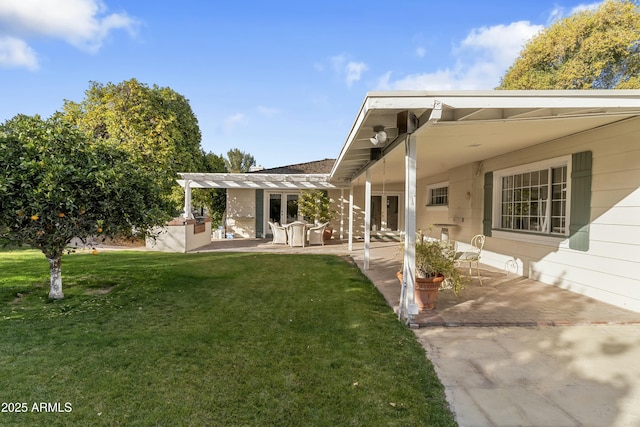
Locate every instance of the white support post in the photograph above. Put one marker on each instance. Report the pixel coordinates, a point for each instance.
(341, 214)
(351, 218)
(407, 303)
(367, 218)
(187, 200)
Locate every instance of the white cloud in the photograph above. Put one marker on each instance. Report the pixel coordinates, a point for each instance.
(351, 71)
(16, 53)
(233, 122)
(268, 111)
(82, 23)
(354, 71)
(421, 52)
(560, 12)
(481, 59)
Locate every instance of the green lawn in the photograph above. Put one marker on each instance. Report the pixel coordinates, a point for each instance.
(205, 340)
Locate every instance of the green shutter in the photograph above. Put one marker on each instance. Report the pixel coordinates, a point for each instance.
(260, 213)
(487, 218)
(580, 201)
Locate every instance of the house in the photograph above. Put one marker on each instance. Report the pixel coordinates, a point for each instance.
(552, 178)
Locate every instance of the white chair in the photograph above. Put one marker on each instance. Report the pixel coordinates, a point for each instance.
(316, 234)
(473, 254)
(296, 233)
(279, 233)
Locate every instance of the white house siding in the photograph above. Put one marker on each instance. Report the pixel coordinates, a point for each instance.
(610, 269)
(241, 212)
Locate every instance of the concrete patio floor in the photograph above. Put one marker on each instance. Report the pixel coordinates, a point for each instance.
(514, 352)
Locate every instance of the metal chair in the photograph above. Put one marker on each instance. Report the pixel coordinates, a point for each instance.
(473, 254)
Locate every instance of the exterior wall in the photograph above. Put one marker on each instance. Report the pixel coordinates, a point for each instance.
(610, 269)
(241, 212)
(180, 235)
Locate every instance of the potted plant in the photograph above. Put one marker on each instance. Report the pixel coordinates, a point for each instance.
(435, 268)
(315, 205)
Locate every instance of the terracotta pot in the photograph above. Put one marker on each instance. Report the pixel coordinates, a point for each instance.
(425, 290)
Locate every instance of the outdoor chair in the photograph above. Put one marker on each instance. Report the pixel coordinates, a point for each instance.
(473, 254)
(279, 233)
(316, 234)
(296, 233)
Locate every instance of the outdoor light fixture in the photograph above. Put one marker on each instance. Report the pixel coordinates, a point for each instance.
(380, 137)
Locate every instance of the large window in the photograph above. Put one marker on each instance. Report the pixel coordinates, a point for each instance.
(534, 199)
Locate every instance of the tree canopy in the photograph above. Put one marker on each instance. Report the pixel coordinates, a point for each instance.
(154, 125)
(55, 185)
(592, 49)
(238, 161)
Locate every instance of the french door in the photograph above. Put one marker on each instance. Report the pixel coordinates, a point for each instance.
(282, 207)
(386, 212)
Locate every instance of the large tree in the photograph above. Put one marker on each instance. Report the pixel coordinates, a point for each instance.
(155, 125)
(592, 49)
(56, 184)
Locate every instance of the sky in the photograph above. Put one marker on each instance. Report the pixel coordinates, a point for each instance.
(280, 80)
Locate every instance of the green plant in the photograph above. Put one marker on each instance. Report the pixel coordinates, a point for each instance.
(435, 257)
(315, 205)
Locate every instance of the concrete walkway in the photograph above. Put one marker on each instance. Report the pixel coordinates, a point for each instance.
(516, 352)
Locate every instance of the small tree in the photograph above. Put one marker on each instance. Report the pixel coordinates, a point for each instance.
(315, 205)
(55, 185)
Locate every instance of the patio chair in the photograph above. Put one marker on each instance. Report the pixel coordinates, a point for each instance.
(296, 233)
(279, 233)
(316, 234)
(473, 254)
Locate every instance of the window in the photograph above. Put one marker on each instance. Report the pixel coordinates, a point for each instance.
(533, 198)
(438, 195)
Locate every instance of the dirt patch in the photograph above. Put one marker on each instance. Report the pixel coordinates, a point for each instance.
(99, 291)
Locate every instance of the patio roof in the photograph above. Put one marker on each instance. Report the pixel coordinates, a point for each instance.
(254, 181)
(460, 127)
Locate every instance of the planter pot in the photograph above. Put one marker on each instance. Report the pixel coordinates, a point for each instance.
(425, 290)
(328, 232)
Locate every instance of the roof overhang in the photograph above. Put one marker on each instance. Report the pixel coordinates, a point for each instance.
(257, 181)
(456, 128)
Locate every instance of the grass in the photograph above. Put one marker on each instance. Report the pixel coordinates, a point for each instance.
(208, 339)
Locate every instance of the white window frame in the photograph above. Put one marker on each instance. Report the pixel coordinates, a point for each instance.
(530, 236)
(438, 185)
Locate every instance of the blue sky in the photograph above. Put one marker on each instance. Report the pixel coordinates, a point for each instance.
(281, 80)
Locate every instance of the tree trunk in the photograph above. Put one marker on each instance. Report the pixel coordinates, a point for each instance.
(55, 270)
